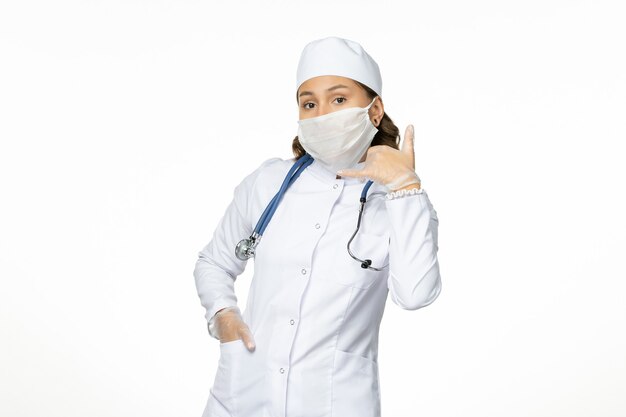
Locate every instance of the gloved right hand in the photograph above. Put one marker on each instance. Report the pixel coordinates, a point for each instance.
(228, 325)
(393, 168)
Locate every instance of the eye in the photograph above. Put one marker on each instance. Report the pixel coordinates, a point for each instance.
(343, 99)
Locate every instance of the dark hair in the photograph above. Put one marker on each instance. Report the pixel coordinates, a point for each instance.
(388, 133)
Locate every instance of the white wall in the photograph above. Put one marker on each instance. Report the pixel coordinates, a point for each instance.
(125, 126)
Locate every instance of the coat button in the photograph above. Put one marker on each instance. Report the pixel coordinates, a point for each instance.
(317, 225)
(335, 186)
(303, 271)
(292, 321)
(282, 370)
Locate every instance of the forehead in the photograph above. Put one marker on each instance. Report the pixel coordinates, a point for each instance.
(320, 83)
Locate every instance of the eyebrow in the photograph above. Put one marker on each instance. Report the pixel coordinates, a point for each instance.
(334, 87)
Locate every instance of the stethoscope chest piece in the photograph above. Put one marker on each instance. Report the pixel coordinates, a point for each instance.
(245, 249)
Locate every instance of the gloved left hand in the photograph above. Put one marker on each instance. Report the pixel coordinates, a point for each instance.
(228, 325)
(388, 166)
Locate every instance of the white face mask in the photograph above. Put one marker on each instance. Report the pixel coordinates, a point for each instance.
(339, 139)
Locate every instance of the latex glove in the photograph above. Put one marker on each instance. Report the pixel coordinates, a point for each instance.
(390, 167)
(227, 325)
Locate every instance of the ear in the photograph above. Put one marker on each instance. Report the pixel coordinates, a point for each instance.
(377, 111)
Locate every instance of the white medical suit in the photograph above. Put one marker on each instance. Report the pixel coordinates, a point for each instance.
(313, 311)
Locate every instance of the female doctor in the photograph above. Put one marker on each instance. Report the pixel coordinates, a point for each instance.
(332, 232)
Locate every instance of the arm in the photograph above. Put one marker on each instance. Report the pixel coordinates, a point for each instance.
(217, 267)
(414, 280)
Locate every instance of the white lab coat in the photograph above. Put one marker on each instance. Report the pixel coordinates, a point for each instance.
(313, 311)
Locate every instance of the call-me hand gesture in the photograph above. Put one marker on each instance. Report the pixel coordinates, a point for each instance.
(388, 166)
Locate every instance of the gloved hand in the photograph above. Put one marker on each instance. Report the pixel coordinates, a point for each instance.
(227, 325)
(390, 167)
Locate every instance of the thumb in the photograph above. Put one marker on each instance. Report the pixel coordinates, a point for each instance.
(408, 147)
(247, 338)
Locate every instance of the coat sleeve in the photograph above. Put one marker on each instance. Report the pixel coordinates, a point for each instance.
(217, 267)
(414, 280)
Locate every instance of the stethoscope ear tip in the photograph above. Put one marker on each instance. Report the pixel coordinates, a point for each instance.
(366, 264)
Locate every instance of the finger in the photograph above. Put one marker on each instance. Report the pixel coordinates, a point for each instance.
(352, 173)
(246, 337)
(408, 144)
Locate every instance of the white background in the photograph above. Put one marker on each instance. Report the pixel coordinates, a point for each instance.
(126, 125)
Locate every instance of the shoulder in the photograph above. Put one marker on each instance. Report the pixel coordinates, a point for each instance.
(273, 170)
(276, 164)
(261, 183)
(267, 171)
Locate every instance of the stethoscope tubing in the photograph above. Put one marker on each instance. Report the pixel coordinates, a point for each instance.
(247, 246)
(298, 167)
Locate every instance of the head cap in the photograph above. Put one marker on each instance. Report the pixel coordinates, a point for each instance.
(337, 56)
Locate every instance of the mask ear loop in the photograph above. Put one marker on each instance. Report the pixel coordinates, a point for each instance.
(368, 108)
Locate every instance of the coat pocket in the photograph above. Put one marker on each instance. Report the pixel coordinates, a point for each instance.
(224, 376)
(348, 271)
(355, 387)
(239, 384)
(214, 408)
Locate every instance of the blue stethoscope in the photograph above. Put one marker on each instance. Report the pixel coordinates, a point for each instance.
(245, 249)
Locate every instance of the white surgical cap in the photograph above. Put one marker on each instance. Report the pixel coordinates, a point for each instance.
(338, 56)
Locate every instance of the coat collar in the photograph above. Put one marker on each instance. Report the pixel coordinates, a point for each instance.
(320, 172)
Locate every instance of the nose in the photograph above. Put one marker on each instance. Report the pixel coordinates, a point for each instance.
(323, 109)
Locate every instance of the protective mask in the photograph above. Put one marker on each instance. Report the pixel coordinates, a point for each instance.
(339, 139)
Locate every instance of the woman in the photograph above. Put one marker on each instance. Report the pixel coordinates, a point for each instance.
(307, 343)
